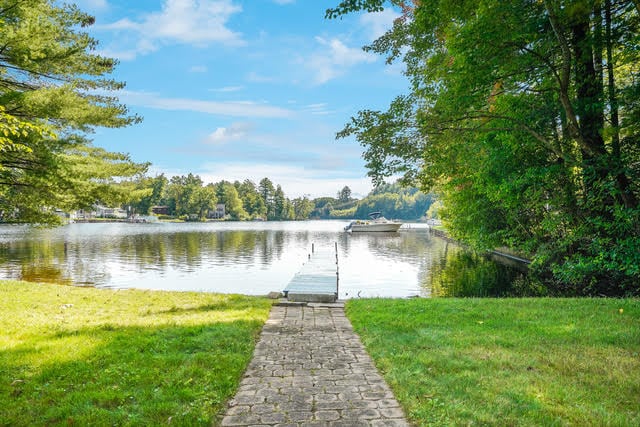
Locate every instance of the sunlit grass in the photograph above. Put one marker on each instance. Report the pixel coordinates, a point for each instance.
(83, 356)
(507, 361)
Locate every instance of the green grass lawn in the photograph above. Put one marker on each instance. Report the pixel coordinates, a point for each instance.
(82, 356)
(515, 362)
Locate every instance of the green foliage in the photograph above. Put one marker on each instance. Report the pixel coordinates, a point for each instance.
(180, 195)
(267, 191)
(394, 200)
(253, 202)
(279, 204)
(344, 195)
(145, 192)
(348, 6)
(302, 208)
(526, 130)
(12, 129)
(52, 90)
(188, 198)
(348, 213)
(233, 204)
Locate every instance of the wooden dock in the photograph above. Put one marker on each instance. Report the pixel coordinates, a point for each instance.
(318, 279)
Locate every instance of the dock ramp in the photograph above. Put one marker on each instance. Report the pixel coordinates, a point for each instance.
(318, 279)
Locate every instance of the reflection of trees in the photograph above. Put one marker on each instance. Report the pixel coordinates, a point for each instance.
(414, 247)
(189, 249)
(76, 258)
(36, 261)
(444, 268)
(89, 257)
(463, 273)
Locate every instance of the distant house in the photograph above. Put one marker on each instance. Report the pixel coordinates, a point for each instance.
(160, 210)
(82, 214)
(62, 214)
(218, 213)
(104, 212)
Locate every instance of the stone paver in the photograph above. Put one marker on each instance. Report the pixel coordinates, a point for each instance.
(310, 369)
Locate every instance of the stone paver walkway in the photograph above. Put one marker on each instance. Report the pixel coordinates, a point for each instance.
(310, 369)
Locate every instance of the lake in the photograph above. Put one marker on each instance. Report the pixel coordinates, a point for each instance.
(252, 258)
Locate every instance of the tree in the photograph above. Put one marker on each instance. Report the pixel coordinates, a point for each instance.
(526, 129)
(344, 195)
(279, 204)
(180, 193)
(50, 95)
(233, 204)
(252, 201)
(202, 200)
(143, 193)
(267, 192)
(302, 208)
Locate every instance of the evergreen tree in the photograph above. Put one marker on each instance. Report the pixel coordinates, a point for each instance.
(50, 85)
(267, 192)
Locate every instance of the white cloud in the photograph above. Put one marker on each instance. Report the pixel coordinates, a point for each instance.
(220, 108)
(317, 109)
(228, 89)
(92, 5)
(254, 77)
(335, 58)
(379, 23)
(197, 22)
(235, 131)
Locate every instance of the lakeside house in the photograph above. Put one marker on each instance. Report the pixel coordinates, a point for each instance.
(160, 210)
(98, 211)
(105, 212)
(219, 212)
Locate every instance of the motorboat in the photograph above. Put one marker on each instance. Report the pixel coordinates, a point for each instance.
(376, 222)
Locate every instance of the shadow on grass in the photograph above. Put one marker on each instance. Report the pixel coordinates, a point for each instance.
(232, 302)
(111, 375)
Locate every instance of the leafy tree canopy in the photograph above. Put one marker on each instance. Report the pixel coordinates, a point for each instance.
(523, 116)
(53, 90)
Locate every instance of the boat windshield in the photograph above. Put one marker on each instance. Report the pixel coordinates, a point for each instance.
(375, 215)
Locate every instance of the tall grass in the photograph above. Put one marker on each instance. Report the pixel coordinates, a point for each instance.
(82, 356)
(515, 362)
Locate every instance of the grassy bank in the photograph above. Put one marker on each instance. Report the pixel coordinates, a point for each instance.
(507, 361)
(81, 356)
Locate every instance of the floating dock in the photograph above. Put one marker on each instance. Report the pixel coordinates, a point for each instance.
(318, 279)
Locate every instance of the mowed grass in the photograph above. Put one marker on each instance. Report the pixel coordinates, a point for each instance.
(82, 356)
(516, 362)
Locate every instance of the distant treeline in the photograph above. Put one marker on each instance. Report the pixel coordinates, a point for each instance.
(189, 198)
(393, 200)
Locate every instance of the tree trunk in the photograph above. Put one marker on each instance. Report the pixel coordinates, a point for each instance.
(590, 110)
(622, 181)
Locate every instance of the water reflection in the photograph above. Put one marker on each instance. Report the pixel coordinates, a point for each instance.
(249, 258)
(462, 273)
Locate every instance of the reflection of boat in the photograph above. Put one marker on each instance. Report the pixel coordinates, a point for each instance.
(376, 223)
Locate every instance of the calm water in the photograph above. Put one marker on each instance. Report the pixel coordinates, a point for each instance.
(251, 258)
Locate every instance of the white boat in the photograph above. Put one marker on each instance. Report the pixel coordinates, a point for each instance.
(376, 223)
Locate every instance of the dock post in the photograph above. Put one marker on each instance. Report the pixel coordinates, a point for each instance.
(337, 272)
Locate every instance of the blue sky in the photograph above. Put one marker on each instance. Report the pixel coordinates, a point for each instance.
(237, 89)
